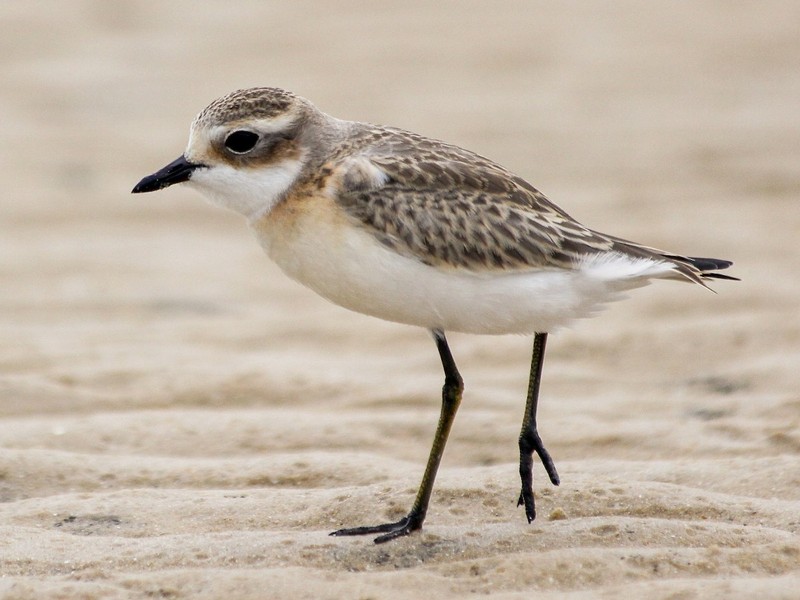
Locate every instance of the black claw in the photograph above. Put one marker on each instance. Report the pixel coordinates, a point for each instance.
(390, 531)
(547, 460)
(400, 532)
(526, 498)
(530, 444)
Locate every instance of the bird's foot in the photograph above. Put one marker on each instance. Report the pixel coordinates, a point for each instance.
(390, 531)
(531, 443)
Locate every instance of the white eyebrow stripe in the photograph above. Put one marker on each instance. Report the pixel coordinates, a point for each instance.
(265, 126)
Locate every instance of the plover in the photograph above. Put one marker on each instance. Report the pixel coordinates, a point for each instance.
(413, 230)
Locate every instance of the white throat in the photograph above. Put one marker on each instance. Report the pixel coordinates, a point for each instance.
(250, 192)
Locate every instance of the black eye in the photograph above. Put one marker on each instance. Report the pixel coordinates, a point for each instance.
(241, 141)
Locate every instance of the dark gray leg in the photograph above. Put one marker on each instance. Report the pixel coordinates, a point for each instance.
(529, 440)
(451, 398)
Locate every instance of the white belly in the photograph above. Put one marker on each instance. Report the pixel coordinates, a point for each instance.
(346, 265)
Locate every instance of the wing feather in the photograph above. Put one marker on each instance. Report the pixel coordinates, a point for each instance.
(448, 207)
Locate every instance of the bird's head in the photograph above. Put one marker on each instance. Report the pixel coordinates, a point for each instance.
(247, 149)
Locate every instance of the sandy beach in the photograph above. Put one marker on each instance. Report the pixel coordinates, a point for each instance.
(180, 420)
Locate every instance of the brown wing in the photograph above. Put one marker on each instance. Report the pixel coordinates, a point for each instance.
(446, 206)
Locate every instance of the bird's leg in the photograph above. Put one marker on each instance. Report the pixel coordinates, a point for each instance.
(529, 440)
(451, 398)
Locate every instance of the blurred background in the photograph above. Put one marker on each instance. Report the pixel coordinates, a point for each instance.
(676, 126)
(123, 317)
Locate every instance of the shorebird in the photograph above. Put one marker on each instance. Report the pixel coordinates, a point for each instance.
(413, 230)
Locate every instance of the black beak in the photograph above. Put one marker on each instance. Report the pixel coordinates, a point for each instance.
(177, 171)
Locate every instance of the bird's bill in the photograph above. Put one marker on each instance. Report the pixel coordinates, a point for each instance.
(178, 171)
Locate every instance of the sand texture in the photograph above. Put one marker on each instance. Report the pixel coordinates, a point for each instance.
(180, 420)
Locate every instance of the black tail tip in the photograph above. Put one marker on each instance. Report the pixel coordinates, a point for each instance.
(708, 266)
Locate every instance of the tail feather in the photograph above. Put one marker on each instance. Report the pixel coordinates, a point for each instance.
(705, 264)
(720, 276)
(704, 268)
(689, 268)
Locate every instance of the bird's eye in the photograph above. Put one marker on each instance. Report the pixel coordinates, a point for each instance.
(241, 141)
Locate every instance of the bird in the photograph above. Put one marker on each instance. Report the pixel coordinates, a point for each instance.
(417, 231)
